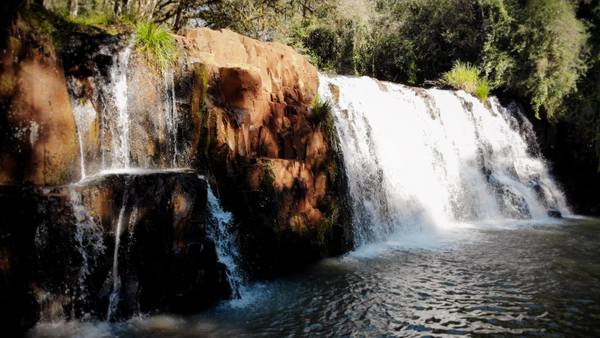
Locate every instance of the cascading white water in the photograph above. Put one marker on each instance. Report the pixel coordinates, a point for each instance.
(85, 114)
(116, 278)
(418, 158)
(88, 235)
(120, 139)
(171, 116)
(226, 242)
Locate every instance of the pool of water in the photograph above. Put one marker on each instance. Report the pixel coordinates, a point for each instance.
(495, 279)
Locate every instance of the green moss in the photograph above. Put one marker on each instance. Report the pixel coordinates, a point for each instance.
(202, 80)
(63, 176)
(200, 105)
(327, 224)
(156, 44)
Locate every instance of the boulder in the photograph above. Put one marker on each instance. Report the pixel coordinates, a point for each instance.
(276, 165)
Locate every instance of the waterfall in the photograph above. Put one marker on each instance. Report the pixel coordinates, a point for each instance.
(118, 76)
(430, 158)
(116, 278)
(85, 114)
(88, 236)
(171, 116)
(226, 242)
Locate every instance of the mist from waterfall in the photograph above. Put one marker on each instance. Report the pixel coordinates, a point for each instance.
(429, 158)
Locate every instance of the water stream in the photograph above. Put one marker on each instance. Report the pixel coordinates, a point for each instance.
(116, 278)
(118, 76)
(419, 159)
(226, 243)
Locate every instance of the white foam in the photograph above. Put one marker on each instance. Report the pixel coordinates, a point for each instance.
(419, 161)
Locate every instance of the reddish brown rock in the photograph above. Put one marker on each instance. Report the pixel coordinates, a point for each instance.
(37, 129)
(275, 165)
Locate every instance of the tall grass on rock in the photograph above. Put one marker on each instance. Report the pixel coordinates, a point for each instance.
(466, 77)
(320, 109)
(156, 44)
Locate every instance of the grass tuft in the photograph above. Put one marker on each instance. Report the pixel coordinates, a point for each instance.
(482, 90)
(156, 43)
(466, 77)
(320, 109)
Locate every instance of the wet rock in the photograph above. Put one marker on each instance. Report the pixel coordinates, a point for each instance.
(166, 262)
(57, 264)
(554, 213)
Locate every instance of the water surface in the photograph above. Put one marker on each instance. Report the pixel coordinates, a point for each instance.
(494, 279)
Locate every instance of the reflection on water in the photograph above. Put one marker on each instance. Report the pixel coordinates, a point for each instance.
(536, 280)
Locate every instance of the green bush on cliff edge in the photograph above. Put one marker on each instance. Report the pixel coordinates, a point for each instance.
(156, 43)
(466, 77)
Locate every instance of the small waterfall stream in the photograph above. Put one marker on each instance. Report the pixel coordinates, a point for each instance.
(118, 76)
(171, 116)
(429, 158)
(85, 114)
(119, 153)
(226, 242)
(90, 243)
(116, 278)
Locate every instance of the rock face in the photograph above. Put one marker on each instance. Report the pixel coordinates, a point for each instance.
(234, 109)
(160, 129)
(37, 129)
(275, 162)
(58, 247)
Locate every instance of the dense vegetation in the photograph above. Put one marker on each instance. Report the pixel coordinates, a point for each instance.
(543, 52)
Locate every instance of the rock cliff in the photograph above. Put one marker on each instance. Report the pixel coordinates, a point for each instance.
(80, 117)
(274, 160)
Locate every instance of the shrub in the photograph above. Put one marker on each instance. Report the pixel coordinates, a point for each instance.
(462, 76)
(156, 44)
(466, 77)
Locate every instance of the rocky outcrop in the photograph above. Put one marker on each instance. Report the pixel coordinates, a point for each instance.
(58, 248)
(234, 109)
(37, 129)
(274, 161)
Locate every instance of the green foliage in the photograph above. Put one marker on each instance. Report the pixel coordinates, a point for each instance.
(482, 91)
(466, 77)
(156, 43)
(553, 51)
(320, 109)
(462, 76)
(93, 19)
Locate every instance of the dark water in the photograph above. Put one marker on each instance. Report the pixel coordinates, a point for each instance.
(518, 280)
